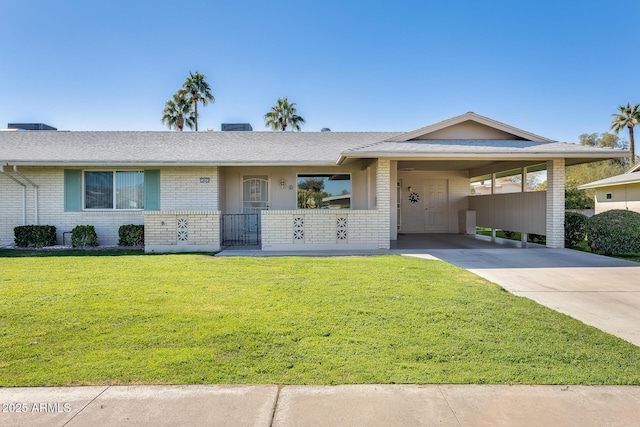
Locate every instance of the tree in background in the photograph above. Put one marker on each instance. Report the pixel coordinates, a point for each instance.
(199, 91)
(588, 172)
(627, 117)
(577, 175)
(283, 114)
(178, 111)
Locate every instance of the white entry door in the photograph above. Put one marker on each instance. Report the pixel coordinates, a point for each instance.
(436, 203)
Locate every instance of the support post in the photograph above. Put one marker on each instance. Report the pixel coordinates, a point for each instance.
(555, 203)
(383, 202)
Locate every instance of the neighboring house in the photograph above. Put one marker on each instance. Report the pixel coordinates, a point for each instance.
(198, 191)
(500, 187)
(617, 192)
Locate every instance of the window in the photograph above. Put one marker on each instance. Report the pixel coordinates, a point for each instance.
(324, 191)
(609, 196)
(114, 190)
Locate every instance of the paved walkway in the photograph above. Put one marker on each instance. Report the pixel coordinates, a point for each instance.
(347, 405)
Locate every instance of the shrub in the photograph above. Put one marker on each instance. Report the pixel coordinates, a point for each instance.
(575, 228)
(614, 232)
(84, 235)
(131, 235)
(537, 238)
(509, 234)
(26, 236)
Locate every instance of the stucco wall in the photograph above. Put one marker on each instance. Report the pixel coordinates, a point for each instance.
(279, 198)
(414, 215)
(469, 130)
(622, 197)
(523, 212)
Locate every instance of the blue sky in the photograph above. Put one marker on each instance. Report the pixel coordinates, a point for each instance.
(555, 68)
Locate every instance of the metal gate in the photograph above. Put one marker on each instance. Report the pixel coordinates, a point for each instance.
(240, 229)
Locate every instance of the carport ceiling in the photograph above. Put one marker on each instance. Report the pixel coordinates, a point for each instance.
(481, 169)
(477, 169)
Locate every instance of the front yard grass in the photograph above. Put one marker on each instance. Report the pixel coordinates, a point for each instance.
(195, 319)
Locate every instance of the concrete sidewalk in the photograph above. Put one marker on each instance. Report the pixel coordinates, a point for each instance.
(347, 405)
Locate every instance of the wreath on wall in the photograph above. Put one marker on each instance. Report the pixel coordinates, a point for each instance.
(414, 197)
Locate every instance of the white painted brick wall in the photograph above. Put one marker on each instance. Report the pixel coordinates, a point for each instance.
(383, 202)
(180, 189)
(555, 203)
(320, 229)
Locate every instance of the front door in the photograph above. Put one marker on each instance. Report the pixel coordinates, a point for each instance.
(435, 206)
(255, 195)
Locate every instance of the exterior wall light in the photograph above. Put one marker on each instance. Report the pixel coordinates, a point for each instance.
(282, 183)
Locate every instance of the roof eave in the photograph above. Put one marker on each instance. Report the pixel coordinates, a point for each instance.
(396, 155)
(108, 163)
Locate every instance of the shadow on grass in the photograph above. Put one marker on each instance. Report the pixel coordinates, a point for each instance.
(20, 253)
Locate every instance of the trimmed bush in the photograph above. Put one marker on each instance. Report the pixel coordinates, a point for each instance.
(614, 232)
(83, 236)
(575, 228)
(131, 235)
(537, 238)
(34, 236)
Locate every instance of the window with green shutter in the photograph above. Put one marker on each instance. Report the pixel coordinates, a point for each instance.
(111, 190)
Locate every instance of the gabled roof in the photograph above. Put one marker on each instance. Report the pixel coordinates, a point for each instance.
(632, 176)
(516, 133)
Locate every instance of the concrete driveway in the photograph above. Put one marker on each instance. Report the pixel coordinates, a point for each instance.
(597, 290)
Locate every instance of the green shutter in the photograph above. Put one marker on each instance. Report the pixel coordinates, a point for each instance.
(152, 190)
(72, 190)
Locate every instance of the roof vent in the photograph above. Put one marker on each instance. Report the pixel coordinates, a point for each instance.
(325, 130)
(30, 126)
(235, 127)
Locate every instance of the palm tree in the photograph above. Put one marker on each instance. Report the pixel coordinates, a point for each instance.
(282, 115)
(197, 87)
(178, 111)
(628, 117)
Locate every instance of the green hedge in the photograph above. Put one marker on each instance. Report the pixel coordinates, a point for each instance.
(84, 235)
(131, 235)
(38, 236)
(614, 232)
(575, 228)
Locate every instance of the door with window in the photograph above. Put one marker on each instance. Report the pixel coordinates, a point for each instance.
(436, 206)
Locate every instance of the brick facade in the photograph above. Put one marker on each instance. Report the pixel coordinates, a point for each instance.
(555, 203)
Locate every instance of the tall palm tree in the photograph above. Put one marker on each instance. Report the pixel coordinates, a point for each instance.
(178, 111)
(199, 90)
(283, 114)
(628, 117)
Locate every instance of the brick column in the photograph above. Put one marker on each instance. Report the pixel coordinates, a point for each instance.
(383, 202)
(555, 203)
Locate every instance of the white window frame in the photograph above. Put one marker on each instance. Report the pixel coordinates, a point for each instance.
(114, 196)
(323, 174)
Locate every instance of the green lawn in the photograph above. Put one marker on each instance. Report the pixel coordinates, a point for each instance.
(177, 319)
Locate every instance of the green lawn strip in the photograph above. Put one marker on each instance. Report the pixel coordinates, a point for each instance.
(177, 319)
